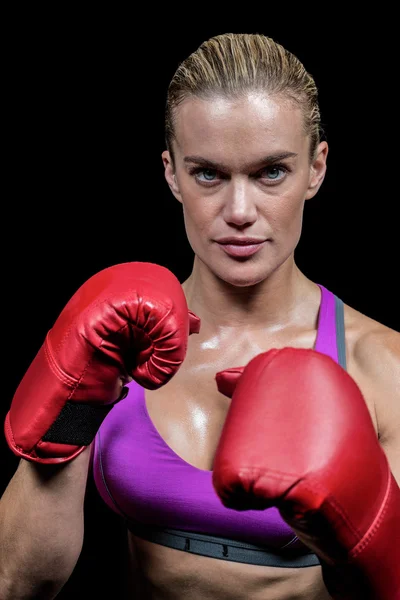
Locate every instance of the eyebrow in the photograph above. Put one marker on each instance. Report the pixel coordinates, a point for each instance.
(271, 158)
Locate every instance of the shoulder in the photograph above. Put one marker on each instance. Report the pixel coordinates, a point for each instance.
(373, 351)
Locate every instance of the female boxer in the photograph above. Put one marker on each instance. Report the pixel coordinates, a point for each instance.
(120, 372)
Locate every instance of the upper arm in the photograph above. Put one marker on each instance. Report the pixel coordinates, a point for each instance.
(378, 354)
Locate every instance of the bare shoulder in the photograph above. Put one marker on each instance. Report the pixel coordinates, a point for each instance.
(373, 353)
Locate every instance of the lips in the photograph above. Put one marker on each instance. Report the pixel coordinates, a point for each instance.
(241, 247)
(238, 241)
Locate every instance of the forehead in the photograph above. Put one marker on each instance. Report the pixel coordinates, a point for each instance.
(228, 129)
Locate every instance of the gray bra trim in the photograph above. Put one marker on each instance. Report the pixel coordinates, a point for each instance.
(340, 337)
(222, 548)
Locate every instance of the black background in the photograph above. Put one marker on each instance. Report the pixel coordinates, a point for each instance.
(83, 184)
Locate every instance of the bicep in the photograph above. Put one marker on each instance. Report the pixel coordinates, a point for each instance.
(387, 394)
(378, 358)
(390, 442)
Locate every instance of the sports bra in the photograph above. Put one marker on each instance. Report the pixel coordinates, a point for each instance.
(168, 501)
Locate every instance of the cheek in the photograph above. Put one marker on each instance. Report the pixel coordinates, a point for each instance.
(198, 214)
(286, 210)
(196, 226)
(195, 209)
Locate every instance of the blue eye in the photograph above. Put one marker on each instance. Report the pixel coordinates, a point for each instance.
(274, 172)
(208, 174)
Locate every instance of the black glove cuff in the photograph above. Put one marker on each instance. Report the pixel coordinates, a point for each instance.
(77, 424)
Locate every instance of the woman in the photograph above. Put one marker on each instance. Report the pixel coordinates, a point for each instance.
(243, 155)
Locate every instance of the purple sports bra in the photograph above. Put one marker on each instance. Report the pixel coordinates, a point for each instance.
(153, 489)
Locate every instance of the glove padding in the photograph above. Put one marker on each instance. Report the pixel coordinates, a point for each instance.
(298, 436)
(128, 321)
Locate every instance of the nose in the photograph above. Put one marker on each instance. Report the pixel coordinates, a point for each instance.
(240, 208)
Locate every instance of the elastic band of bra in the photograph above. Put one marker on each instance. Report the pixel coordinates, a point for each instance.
(221, 548)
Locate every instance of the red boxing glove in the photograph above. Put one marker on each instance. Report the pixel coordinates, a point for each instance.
(128, 321)
(298, 436)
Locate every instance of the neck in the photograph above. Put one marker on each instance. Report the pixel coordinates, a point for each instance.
(274, 303)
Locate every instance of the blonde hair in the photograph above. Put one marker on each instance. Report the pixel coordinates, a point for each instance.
(233, 64)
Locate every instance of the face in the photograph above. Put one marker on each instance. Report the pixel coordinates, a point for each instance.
(242, 172)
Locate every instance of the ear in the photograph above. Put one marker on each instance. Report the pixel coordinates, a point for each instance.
(170, 174)
(317, 170)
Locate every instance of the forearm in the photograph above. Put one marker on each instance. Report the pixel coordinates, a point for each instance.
(41, 528)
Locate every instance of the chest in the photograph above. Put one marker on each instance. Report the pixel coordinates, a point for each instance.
(189, 412)
(189, 416)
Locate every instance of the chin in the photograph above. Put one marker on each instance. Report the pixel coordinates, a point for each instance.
(239, 273)
(243, 275)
